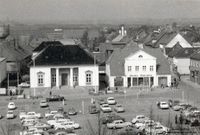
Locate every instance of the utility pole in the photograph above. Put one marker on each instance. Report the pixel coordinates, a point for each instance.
(99, 123)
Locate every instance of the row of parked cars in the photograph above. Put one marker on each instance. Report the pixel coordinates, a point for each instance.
(149, 126)
(53, 122)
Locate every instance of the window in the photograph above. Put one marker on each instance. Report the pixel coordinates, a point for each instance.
(129, 68)
(136, 68)
(144, 68)
(151, 68)
(40, 78)
(75, 77)
(88, 77)
(53, 78)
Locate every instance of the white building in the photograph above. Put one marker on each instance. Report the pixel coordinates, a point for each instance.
(58, 65)
(137, 66)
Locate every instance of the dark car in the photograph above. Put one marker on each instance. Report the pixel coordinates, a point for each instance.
(93, 109)
(110, 118)
(55, 98)
(102, 101)
(130, 131)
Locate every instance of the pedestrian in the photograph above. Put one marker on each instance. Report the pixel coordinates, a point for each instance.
(176, 119)
(50, 93)
(181, 119)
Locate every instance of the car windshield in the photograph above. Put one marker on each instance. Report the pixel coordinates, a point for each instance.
(10, 112)
(119, 105)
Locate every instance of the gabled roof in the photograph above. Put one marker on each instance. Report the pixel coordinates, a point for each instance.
(117, 59)
(171, 52)
(64, 55)
(164, 38)
(46, 44)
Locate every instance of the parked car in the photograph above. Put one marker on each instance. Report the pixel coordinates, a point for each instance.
(55, 98)
(160, 129)
(110, 118)
(173, 102)
(102, 101)
(119, 108)
(93, 109)
(139, 118)
(11, 106)
(130, 130)
(105, 108)
(10, 115)
(163, 105)
(24, 85)
(43, 103)
(111, 101)
(43, 126)
(30, 115)
(118, 124)
(72, 111)
(50, 114)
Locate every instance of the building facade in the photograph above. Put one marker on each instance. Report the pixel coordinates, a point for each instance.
(58, 65)
(135, 66)
(195, 67)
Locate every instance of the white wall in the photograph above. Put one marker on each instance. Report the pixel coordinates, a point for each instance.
(82, 75)
(182, 65)
(147, 60)
(180, 39)
(2, 70)
(34, 78)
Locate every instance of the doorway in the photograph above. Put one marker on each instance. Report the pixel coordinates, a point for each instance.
(64, 79)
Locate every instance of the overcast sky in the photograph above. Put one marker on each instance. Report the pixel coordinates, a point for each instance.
(68, 10)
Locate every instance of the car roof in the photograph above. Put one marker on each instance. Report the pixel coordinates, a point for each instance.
(110, 98)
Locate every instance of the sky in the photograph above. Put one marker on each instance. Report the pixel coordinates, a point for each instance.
(95, 10)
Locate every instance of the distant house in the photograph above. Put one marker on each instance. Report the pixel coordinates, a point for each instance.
(56, 65)
(136, 65)
(181, 59)
(195, 67)
(169, 39)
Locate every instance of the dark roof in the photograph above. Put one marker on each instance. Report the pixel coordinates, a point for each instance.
(185, 52)
(195, 55)
(173, 51)
(164, 38)
(64, 55)
(46, 44)
(118, 56)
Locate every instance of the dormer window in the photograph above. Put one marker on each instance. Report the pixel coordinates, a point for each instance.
(140, 56)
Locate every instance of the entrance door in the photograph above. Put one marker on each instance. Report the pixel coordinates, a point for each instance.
(64, 79)
(129, 82)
